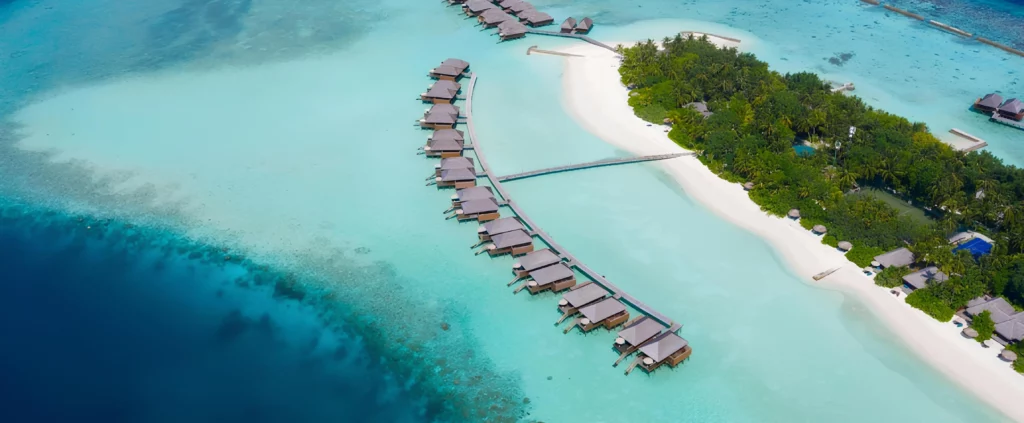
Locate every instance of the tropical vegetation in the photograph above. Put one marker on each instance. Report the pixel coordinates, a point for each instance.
(759, 116)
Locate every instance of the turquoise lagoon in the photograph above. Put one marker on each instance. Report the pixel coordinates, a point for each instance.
(286, 132)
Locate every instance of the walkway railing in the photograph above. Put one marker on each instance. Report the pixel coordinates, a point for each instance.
(568, 35)
(598, 163)
(617, 292)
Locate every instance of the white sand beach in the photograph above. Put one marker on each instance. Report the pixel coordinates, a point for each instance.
(595, 97)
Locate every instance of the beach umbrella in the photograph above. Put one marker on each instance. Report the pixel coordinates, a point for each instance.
(620, 341)
(845, 245)
(563, 302)
(667, 121)
(748, 186)
(820, 229)
(875, 264)
(648, 361)
(970, 333)
(794, 214)
(1008, 355)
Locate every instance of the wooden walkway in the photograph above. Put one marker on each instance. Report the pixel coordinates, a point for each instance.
(617, 292)
(588, 165)
(1008, 122)
(576, 36)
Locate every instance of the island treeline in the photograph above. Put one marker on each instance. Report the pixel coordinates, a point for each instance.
(759, 115)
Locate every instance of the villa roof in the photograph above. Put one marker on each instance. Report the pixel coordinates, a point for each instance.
(444, 145)
(443, 89)
(794, 213)
(448, 135)
(1012, 106)
(474, 193)
(701, 107)
(511, 27)
(484, 205)
(923, 277)
(569, 23)
(1000, 310)
(511, 239)
(494, 16)
(602, 309)
(820, 229)
(991, 100)
(505, 4)
(641, 330)
(458, 64)
(845, 245)
(500, 226)
(520, 7)
(585, 24)
(663, 346)
(584, 294)
(478, 6)
(537, 259)
(456, 163)
(446, 71)
(448, 108)
(536, 17)
(460, 174)
(551, 274)
(1012, 330)
(898, 257)
(440, 118)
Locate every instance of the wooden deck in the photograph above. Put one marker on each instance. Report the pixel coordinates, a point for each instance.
(617, 292)
(588, 165)
(1008, 122)
(576, 36)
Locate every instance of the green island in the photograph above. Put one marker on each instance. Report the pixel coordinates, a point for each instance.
(789, 137)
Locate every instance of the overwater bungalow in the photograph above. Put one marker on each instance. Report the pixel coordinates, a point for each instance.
(989, 103)
(536, 18)
(456, 178)
(520, 7)
(1012, 109)
(555, 278)
(447, 135)
(583, 26)
(923, 277)
(568, 25)
(446, 73)
(454, 163)
(636, 334)
(439, 120)
(476, 7)
(507, 4)
(441, 92)
(510, 30)
(578, 297)
(470, 194)
(443, 148)
(895, 258)
(667, 348)
(492, 18)
(500, 226)
(515, 243)
(483, 210)
(533, 261)
(461, 65)
(608, 312)
(448, 108)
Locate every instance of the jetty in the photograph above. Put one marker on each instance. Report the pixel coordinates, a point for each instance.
(947, 28)
(572, 261)
(588, 165)
(534, 49)
(573, 35)
(1008, 122)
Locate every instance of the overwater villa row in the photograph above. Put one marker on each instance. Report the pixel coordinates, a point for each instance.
(1009, 112)
(513, 17)
(590, 304)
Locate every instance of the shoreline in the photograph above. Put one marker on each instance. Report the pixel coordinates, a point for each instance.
(594, 96)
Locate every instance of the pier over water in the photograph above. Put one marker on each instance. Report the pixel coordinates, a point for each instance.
(617, 292)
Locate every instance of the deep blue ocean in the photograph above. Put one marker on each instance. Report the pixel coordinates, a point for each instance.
(105, 322)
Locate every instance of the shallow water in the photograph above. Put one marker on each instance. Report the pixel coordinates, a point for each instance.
(285, 132)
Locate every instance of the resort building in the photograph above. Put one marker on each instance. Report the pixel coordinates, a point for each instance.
(555, 278)
(584, 26)
(448, 108)
(667, 348)
(989, 103)
(483, 210)
(447, 135)
(456, 178)
(1012, 109)
(507, 4)
(535, 260)
(536, 18)
(446, 73)
(510, 30)
(578, 297)
(515, 243)
(443, 148)
(608, 312)
(452, 163)
(1009, 322)
(636, 334)
(439, 120)
(491, 18)
(701, 107)
(476, 7)
(500, 226)
(520, 7)
(923, 277)
(461, 65)
(568, 25)
(441, 92)
(895, 258)
(470, 194)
